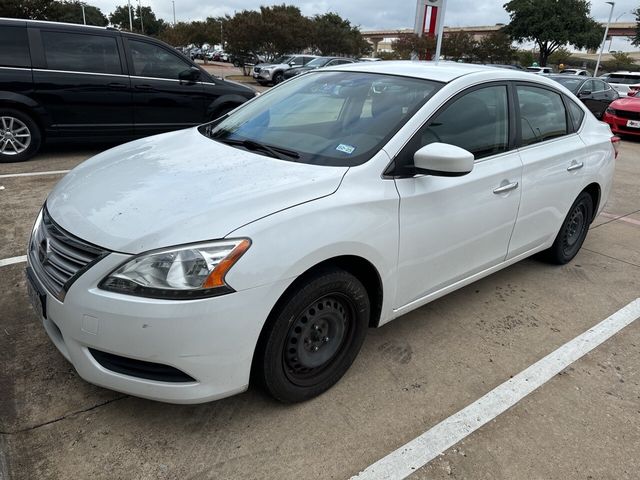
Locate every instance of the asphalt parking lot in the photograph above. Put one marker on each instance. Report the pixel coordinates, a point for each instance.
(410, 375)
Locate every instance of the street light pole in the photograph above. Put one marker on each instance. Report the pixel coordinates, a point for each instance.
(84, 19)
(604, 40)
(141, 22)
(174, 12)
(130, 19)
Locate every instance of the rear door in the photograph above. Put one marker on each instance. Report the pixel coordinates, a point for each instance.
(80, 78)
(161, 101)
(553, 155)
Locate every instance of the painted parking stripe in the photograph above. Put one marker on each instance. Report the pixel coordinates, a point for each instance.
(12, 260)
(622, 218)
(421, 450)
(31, 174)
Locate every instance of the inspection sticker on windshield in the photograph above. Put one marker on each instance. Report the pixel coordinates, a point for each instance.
(345, 148)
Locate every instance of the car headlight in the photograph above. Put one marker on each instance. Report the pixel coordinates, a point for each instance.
(611, 111)
(186, 272)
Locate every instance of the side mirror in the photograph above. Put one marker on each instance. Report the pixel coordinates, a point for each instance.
(291, 64)
(443, 160)
(190, 75)
(584, 93)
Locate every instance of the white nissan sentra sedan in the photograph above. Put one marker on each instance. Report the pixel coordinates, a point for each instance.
(263, 245)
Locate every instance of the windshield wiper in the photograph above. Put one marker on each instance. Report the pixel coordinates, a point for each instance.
(275, 152)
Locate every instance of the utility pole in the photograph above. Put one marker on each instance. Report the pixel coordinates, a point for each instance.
(604, 40)
(130, 19)
(141, 22)
(174, 12)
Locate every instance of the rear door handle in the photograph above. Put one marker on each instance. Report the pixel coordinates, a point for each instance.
(144, 87)
(575, 166)
(117, 85)
(505, 188)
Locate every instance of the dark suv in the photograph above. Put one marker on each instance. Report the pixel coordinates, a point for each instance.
(61, 81)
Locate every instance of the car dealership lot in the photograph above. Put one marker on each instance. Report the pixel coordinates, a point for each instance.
(410, 375)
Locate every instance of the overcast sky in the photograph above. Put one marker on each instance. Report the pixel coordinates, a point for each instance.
(368, 14)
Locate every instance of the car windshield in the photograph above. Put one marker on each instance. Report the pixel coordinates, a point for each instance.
(624, 79)
(570, 83)
(318, 62)
(325, 118)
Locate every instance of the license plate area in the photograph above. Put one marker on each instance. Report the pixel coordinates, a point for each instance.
(633, 123)
(36, 293)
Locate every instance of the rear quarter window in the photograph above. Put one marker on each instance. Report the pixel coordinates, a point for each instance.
(576, 113)
(14, 47)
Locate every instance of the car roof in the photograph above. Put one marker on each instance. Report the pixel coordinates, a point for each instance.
(45, 23)
(442, 71)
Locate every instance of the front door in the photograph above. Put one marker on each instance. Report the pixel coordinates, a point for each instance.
(454, 227)
(162, 101)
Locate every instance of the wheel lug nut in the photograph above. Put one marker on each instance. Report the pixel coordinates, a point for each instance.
(325, 339)
(316, 348)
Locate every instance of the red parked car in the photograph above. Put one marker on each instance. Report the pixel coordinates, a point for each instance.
(623, 115)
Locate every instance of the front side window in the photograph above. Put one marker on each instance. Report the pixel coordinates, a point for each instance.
(326, 118)
(81, 52)
(15, 47)
(542, 114)
(153, 61)
(477, 122)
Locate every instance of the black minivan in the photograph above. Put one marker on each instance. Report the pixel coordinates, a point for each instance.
(63, 82)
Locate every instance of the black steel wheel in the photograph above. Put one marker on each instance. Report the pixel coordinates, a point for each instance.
(313, 336)
(278, 78)
(573, 231)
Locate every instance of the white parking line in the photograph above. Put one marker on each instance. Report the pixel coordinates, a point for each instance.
(10, 261)
(31, 174)
(622, 218)
(421, 450)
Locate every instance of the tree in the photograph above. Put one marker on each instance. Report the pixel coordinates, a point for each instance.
(620, 61)
(244, 33)
(495, 48)
(55, 11)
(552, 24)
(285, 30)
(561, 55)
(635, 40)
(407, 45)
(333, 35)
(458, 45)
(525, 57)
(152, 26)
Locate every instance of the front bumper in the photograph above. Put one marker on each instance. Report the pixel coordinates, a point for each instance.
(620, 125)
(264, 75)
(211, 340)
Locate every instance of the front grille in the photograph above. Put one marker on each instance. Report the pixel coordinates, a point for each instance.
(627, 114)
(57, 257)
(140, 368)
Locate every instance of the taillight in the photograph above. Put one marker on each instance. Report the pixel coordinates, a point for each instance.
(615, 141)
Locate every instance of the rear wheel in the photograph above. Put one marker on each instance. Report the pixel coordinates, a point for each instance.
(315, 336)
(19, 136)
(573, 231)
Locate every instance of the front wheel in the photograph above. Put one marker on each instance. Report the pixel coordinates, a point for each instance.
(278, 78)
(314, 337)
(573, 231)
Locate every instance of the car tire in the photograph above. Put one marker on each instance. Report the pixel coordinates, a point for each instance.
(278, 77)
(18, 128)
(573, 231)
(313, 336)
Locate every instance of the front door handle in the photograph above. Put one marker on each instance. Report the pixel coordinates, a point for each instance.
(575, 166)
(505, 188)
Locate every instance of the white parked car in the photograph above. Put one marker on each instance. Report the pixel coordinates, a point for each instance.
(263, 245)
(622, 82)
(540, 70)
(575, 71)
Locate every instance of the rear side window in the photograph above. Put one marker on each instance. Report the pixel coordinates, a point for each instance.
(577, 114)
(15, 47)
(153, 61)
(81, 53)
(542, 114)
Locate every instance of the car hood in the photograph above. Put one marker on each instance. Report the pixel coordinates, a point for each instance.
(631, 104)
(273, 65)
(177, 188)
